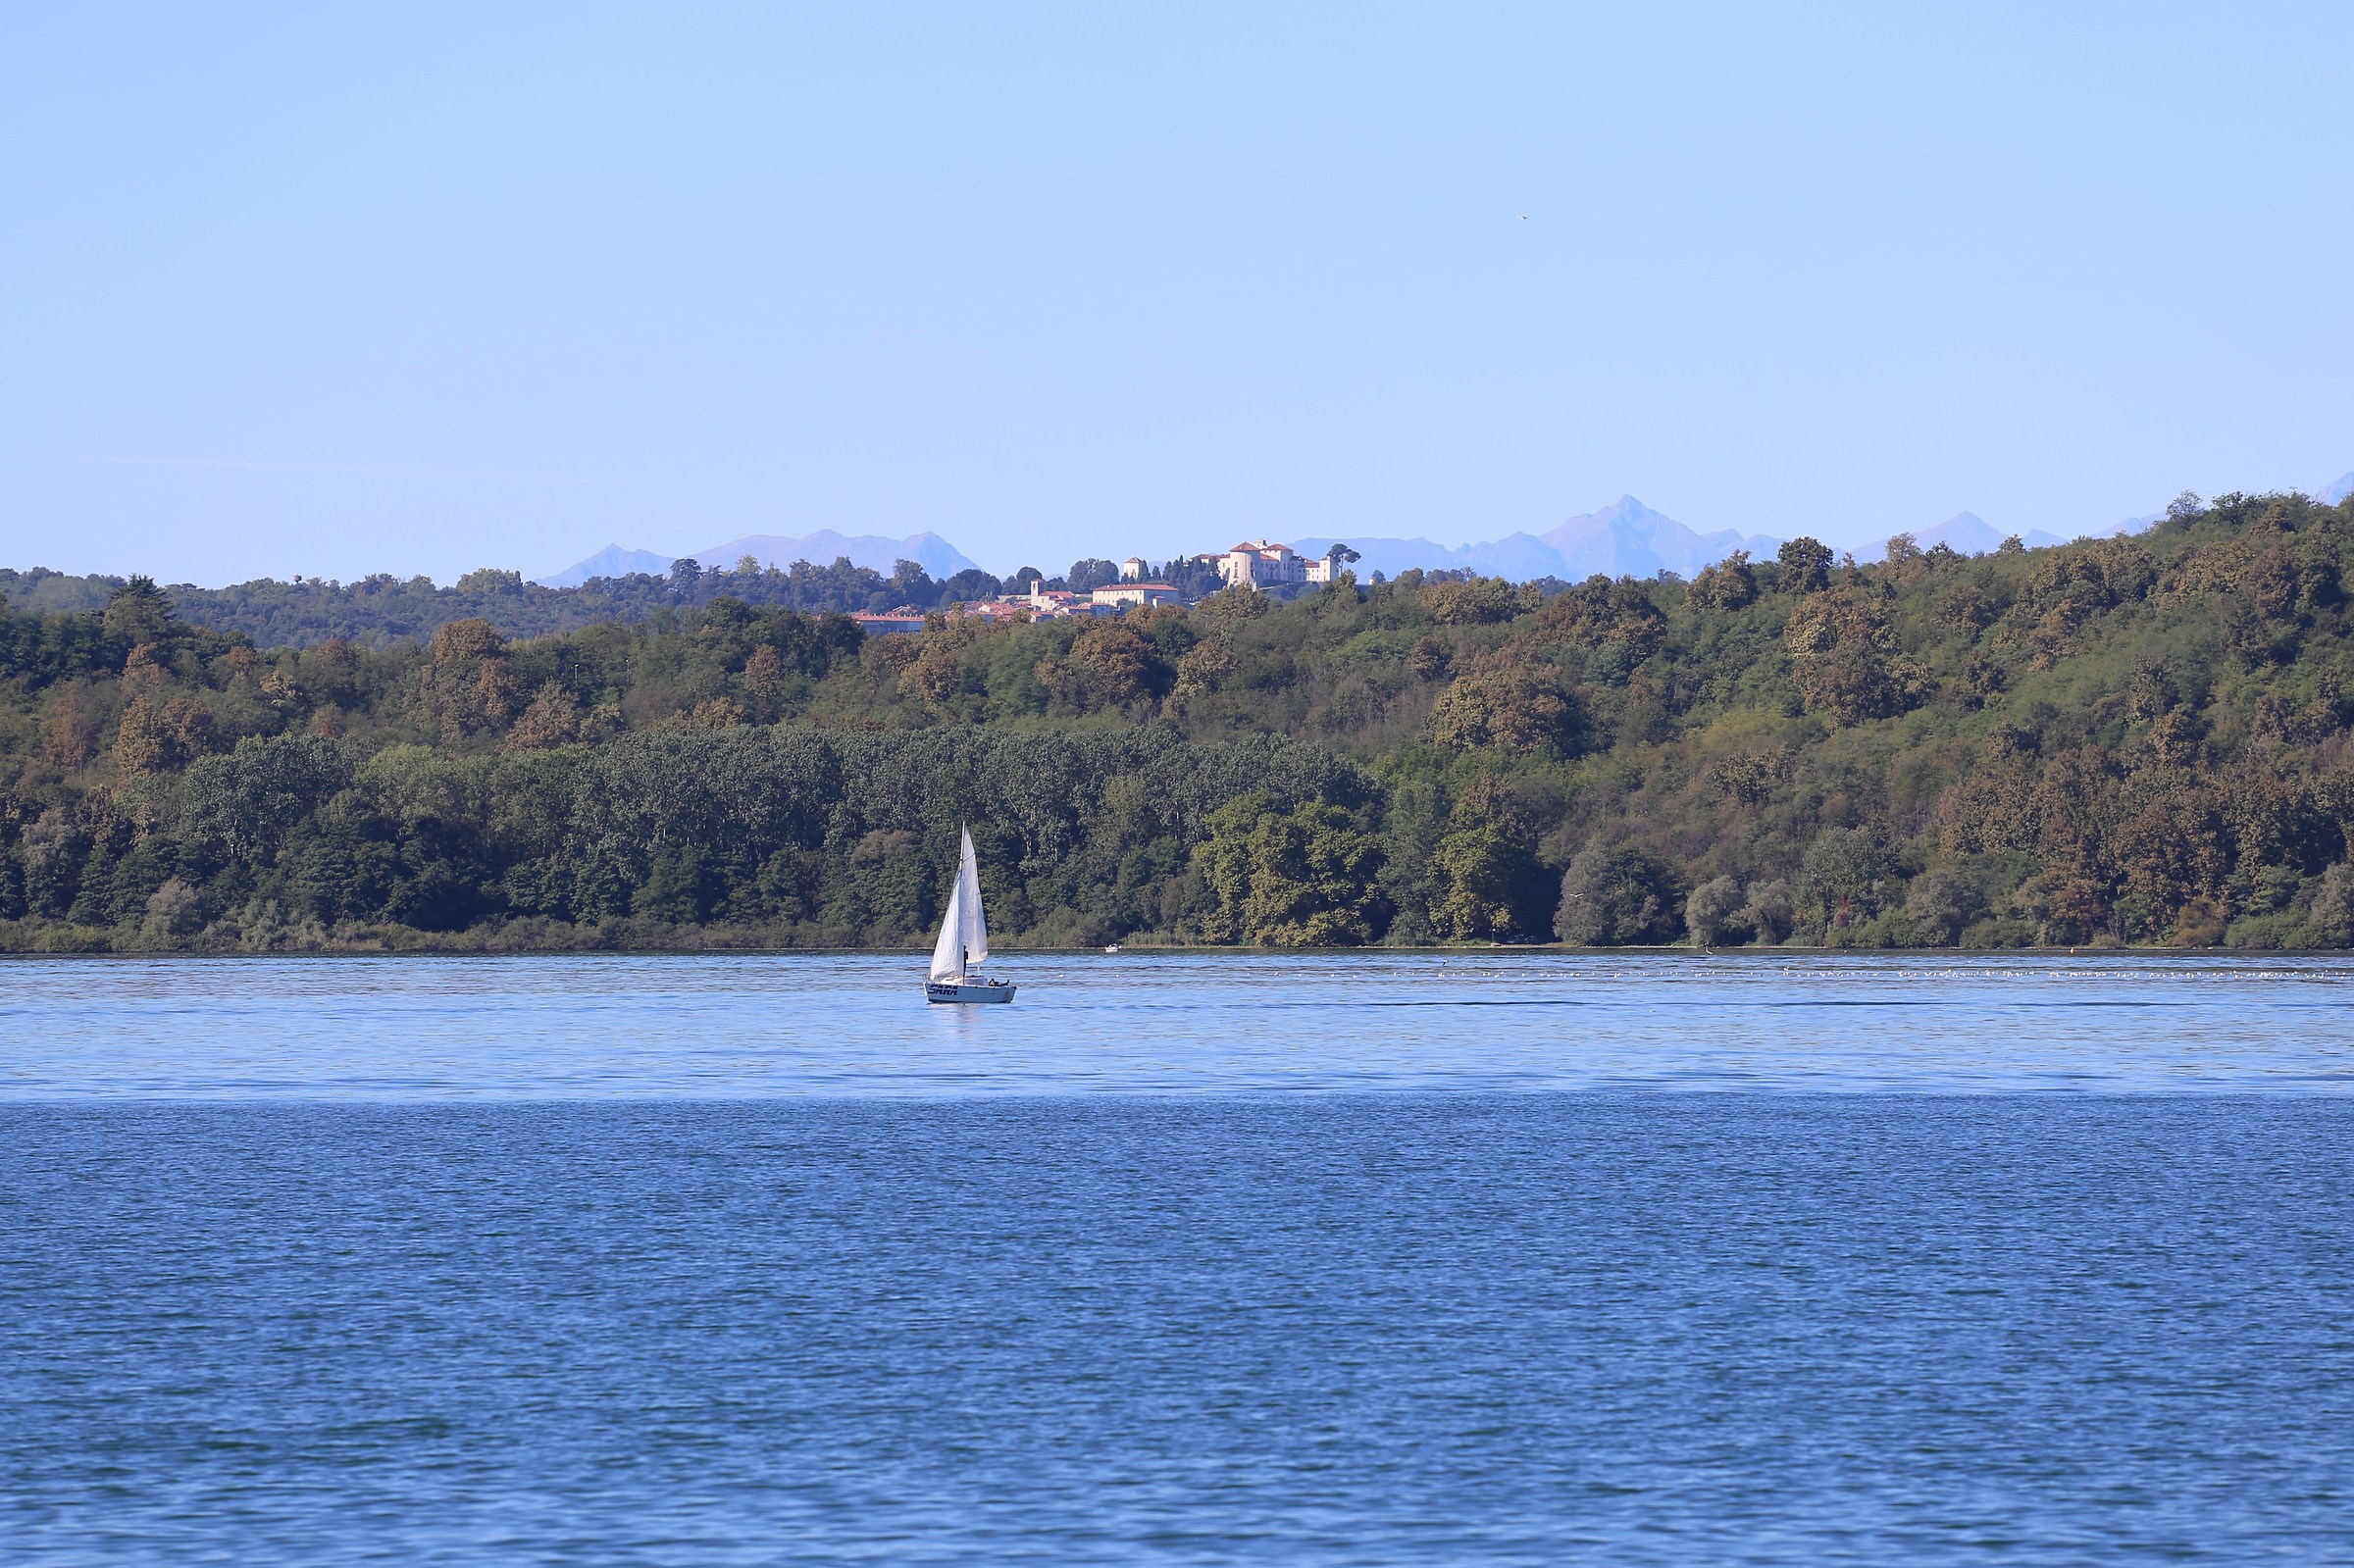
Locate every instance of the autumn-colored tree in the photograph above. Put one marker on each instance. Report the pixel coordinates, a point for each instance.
(765, 675)
(1204, 669)
(1480, 601)
(1599, 612)
(1845, 660)
(1109, 665)
(1749, 776)
(163, 736)
(1729, 585)
(464, 642)
(1511, 707)
(465, 686)
(936, 675)
(70, 728)
(554, 719)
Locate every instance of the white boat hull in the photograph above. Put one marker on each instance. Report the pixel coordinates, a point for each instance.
(935, 990)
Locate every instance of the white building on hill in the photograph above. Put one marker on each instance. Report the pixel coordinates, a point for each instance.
(1264, 563)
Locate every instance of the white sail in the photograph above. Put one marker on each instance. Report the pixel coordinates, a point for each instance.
(947, 954)
(967, 900)
(964, 937)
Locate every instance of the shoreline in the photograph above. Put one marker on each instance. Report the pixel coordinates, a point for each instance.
(625, 949)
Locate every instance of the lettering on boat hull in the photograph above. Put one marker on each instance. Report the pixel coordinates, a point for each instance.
(976, 991)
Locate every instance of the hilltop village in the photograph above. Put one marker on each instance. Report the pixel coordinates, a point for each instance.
(1259, 565)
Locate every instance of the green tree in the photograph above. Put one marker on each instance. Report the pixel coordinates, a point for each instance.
(1850, 876)
(1712, 914)
(1806, 566)
(1086, 576)
(1939, 906)
(249, 800)
(1613, 897)
(1486, 879)
(677, 886)
(1306, 878)
(139, 611)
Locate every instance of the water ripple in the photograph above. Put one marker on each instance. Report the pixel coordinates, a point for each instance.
(831, 1024)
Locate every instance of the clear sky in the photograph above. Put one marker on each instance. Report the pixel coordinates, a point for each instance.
(335, 289)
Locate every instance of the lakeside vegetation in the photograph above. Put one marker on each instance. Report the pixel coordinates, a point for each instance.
(2132, 740)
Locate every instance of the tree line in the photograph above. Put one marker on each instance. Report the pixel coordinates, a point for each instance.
(383, 608)
(2129, 740)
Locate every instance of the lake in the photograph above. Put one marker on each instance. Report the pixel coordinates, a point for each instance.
(1515, 1258)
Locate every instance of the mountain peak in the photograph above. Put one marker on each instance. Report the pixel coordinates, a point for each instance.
(613, 561)
(1627, 539)
(1965, 533)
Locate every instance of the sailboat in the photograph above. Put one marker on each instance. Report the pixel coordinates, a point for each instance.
(963, 941)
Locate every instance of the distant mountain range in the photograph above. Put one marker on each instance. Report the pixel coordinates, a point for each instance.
(930, 551)
(613, 561)
(1630, 539)
(1624, 540)
(1971, 535)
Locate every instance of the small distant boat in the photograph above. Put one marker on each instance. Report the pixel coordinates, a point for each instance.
(1113, 948)
(964, 940)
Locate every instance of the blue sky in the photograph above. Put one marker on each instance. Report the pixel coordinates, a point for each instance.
(419, 288)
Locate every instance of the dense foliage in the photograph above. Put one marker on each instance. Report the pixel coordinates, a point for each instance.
(307, 612)
(2127, 741)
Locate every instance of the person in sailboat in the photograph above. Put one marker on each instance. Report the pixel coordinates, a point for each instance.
(963, 939)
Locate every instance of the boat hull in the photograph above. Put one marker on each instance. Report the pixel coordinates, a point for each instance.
(948, 991)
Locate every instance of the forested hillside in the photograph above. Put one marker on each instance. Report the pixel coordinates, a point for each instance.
(2138, 740)
(383, 608)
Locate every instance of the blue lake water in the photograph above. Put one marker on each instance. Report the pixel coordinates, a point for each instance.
(1358, 1260)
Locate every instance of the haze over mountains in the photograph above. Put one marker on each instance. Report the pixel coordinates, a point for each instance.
(935, 555)
(1972, 535)
(1625, 539)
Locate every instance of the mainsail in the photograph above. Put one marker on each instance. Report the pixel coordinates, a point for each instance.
(947, 954)
(968, 901)
(964, 932)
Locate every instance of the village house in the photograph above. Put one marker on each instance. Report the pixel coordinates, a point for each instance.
(1126, 593)
(1001, 610)
(1053, 604)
